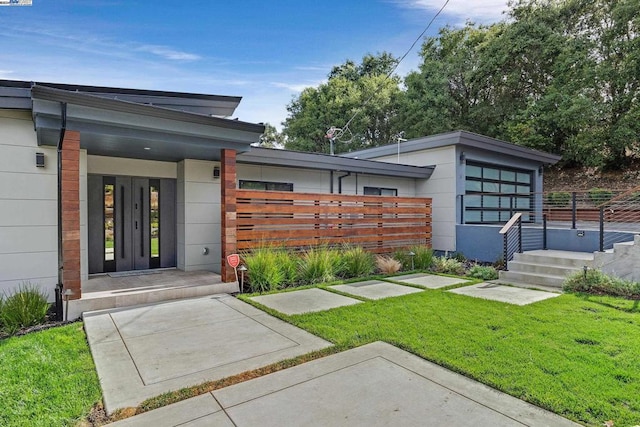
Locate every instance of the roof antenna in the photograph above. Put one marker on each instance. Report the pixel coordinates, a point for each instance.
(334, 133)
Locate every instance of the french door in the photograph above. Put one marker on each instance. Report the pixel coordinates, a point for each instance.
(131, 223)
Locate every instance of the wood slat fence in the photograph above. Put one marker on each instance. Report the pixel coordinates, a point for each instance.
(379, 224)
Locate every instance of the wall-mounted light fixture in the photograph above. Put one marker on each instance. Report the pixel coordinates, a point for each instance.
(40, 160)
(541, 169)
(216, 172)
(463, 157)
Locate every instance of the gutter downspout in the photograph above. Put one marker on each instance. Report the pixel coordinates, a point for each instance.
(63, 129)
(340, 181)
(331, 182)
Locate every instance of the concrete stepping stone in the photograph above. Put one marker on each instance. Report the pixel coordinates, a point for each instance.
(304, 301)
(375, 289)
(508, 294)
(430, 281)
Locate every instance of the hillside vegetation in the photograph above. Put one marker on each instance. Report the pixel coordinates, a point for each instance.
(555, 75)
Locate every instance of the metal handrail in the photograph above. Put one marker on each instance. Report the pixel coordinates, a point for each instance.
(516, 220)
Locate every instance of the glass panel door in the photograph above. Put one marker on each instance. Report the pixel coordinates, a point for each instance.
(108, 203)
(154, 223)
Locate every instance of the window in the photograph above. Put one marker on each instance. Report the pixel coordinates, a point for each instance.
(379, 191)
(266, 185)
(494, 193)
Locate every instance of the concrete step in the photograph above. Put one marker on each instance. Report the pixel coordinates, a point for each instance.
(545, 269)
(531, 278)
(92, 301)
(556, 258)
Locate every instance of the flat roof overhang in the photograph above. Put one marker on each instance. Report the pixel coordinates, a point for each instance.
(316, 161)
(461, 138)
(16, 94)
(117, 128)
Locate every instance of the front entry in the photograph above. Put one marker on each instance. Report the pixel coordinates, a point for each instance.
(132, 223)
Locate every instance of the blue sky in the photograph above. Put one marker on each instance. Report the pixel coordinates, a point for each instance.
(264, 51)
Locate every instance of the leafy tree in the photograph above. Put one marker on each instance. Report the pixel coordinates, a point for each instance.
(363, 92)
(271, 138)
(560, 75)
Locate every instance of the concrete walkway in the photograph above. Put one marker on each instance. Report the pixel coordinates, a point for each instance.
(373, 385)
(144, 351)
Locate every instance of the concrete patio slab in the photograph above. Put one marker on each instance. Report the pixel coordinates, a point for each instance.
(373, 385)
(508, 294)
(375, 289)
(430, 281)
(304, 301)
(144, 351)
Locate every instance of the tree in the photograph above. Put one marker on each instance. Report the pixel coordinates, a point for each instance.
(459, 84)
(560, 76)
(271, 138)
(361, 95)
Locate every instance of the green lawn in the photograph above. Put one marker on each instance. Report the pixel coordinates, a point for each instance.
(47, 378)
(576, 356)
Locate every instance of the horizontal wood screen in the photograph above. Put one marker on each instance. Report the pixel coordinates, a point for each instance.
(380, 224)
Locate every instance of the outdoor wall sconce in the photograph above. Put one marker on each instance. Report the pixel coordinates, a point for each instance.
(463, 157)
(541, 169)
(40, 160)
(216, 172)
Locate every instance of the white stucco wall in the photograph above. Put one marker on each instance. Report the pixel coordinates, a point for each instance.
(304, 181)
(101, 165)
(198, 216)
(315, 181)
(441, 187)
(28, 206)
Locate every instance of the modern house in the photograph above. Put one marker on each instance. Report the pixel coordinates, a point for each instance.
(96, 180)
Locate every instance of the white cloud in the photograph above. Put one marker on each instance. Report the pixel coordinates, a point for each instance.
(168, 53)
(295, 87)
(482, 11)
(5, 73)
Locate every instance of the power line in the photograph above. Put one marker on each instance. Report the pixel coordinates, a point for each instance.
(336, 133)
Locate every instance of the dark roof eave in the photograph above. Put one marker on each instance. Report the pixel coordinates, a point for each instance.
(297, 159)
(22, 84)
(82, 99)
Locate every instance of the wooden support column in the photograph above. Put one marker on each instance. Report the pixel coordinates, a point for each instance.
(228, 213)
(71, 213)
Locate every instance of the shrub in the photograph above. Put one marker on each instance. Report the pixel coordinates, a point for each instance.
(459, 256)
(599, 195)
(483, 272)
(264, 271)
(402, 256)
(422, 258)
(388, 265)
(447, 266)
(288, 264)
(27, 307)
(559, 199)
(320, 264)
(357, 262)
(599, 283)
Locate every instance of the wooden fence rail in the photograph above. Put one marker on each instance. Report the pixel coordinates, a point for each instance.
(379, 224)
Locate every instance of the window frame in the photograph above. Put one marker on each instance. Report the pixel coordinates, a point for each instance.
(379, 191)
(267, 185)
